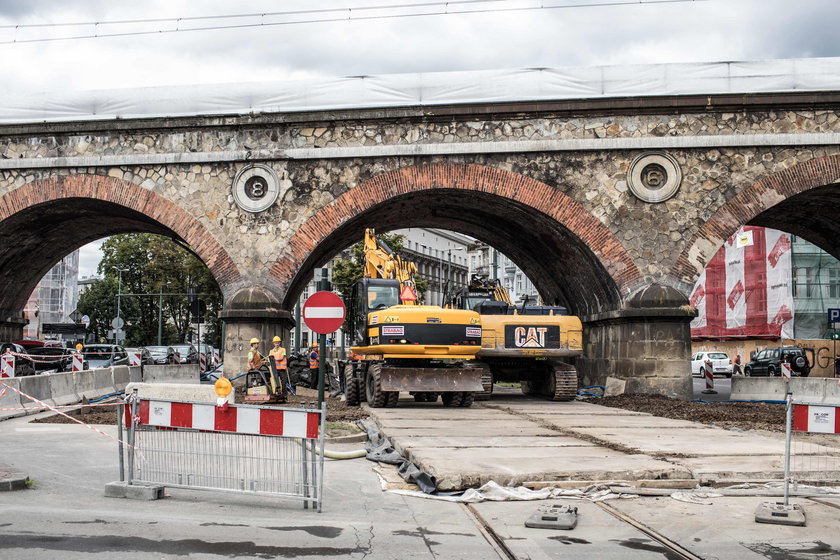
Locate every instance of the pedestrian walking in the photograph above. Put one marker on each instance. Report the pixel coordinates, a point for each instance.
(736, 367)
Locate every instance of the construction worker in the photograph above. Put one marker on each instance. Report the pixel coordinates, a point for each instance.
(314, 361)
(278, 354)
(255, 359)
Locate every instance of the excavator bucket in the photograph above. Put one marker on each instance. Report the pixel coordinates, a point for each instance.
(437, 380)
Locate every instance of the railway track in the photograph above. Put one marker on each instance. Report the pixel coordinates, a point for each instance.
(497, 542)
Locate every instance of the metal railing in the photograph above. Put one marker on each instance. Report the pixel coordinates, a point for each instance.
(239, 448)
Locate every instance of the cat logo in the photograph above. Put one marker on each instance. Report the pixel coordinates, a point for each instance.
(530, 337)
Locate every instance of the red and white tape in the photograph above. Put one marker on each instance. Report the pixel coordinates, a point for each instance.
(4, 386)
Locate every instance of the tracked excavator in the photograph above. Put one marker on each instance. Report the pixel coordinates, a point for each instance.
(525, 343)
(425, 350)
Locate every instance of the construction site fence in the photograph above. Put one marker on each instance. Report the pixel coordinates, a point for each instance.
(257, 450)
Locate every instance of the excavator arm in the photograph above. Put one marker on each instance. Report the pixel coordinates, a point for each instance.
(382, 262)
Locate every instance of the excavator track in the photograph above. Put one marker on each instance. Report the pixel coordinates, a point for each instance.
(565, 379)
(560, 383)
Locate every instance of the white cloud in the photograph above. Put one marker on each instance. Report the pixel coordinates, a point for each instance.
(89, 257)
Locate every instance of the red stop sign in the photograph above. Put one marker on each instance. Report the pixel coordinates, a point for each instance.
(323, 312)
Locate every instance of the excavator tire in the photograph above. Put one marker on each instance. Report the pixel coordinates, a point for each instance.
(351, 390)
(392, 399)
(452, 399)
(376, 397)
(467, 400)
(486, 382)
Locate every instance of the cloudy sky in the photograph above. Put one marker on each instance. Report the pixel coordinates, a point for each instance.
(495, 35)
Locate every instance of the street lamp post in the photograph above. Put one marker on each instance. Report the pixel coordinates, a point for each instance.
(119, 289)
(160, 314)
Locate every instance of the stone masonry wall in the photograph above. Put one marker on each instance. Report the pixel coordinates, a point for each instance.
(654, 235)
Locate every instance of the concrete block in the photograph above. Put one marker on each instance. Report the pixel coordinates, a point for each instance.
(187, 392)
(63, 389)
(83, 382)
(103, 383)
(121, 376)
(135, 374)
(10, 400)
(615, 386)
(37, 386)
(808, 389)
(133, 491)
(187, 373)
(676, 387)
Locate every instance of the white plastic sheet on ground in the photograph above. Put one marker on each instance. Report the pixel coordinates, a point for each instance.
(409, 90)
(493, 492)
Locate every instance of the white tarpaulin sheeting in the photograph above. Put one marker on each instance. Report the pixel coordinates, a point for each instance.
(407, 90)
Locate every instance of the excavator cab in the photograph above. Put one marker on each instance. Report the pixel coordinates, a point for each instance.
(369, 295)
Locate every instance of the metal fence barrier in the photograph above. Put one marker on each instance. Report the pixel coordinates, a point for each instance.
(239, 448)
(816, 463)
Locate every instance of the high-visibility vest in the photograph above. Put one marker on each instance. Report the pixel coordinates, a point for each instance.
(313, 359)
(255, 359)
(279, 356)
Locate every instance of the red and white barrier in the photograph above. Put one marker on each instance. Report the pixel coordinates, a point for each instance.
(786, 373)
(135, 359)
(202, 361)
(215, 358)
(235, 418)
(822, 419)
(7, 365)
(78, 362)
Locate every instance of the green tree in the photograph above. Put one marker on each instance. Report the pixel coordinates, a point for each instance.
(152, 264)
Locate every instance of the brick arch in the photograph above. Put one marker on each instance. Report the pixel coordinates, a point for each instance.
(42, 212)
(754, 205)
(505, 186)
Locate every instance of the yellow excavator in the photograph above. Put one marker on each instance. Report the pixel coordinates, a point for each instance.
(425, 350)
(524, 343)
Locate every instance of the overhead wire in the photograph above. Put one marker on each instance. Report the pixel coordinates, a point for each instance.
(349, 17)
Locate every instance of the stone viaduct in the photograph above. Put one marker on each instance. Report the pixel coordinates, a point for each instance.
(612, 206)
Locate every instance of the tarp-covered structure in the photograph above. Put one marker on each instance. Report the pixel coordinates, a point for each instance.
(425, 89)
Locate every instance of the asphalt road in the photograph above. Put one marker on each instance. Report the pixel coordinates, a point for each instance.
(66, 516)
(722, 385)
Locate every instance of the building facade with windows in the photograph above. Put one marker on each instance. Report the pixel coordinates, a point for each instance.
(54, 298)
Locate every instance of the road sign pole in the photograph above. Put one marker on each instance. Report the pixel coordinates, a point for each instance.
(323, 286)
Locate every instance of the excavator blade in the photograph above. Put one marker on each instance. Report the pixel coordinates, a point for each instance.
(437, 380)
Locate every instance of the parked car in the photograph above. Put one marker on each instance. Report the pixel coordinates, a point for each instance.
(23, 365)
(34, 343)
(769, 362)
(162, 355)
(187, 352)
(48, 358)
(105, 355)
(145, 356)
(721, 364)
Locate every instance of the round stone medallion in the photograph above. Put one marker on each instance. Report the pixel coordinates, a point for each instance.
(654, 177)
(255, 188)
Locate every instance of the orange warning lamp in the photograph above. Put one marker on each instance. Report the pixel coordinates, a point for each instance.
(222, 387)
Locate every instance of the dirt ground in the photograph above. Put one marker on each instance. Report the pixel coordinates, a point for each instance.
(744, 416)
